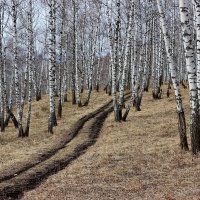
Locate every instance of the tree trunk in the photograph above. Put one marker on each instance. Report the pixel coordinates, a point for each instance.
(17, 82)
(179, 105)
(52, 57)
(192, 76)
(30, 67)
(75, 58)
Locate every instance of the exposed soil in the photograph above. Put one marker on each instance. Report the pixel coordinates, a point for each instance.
(30, 175)
(136, 160)
(66, 138)
(88, 127)
(19, 152)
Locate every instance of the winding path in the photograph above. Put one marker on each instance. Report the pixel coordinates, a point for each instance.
(82, 135)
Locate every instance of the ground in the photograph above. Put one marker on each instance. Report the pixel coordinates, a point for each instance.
(16, 151)
(137, 159)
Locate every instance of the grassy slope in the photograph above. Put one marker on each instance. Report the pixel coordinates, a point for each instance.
(139, 159)
(15, 151)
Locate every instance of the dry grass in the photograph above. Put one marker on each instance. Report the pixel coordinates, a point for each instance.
(15, 151)
(139, 159)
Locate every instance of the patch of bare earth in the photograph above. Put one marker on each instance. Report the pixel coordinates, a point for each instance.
(16, 152)
(138, 159)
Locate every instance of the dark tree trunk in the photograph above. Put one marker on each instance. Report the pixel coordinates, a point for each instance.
(79, 104)
(105, 88)
(118, 113)
(52, 122)
(169, 86)
(50, 126)
(88, 98)
(117, 86)
(195, 132)
(161, 80)
(146, 88)
(168, 93)
(137, 104)
(21, 132)
(65, 97)
(59, 108)
(109, 91)
(126, 113)
(26, 131)
(182, 131)
(12, 117)
(97, 87)
(168, 89)
(38, 95)
(7, 120)
(73, 97)
(2, 123)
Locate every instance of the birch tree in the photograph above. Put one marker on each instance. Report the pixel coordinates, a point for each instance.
(188, 43)
(127, 50)
(63, 15)
(115, 64)
(75, 57)
(30, 66)
(52, 65)
(15, 62)
(1, 76)
(197, 14)
(179, 104)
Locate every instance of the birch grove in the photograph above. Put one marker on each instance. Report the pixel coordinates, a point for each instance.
(70, 49)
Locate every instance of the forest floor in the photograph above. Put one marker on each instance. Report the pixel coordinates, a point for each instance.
(16, 152)
(137, 159)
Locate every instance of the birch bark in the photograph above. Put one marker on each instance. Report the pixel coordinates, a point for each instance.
(127, 50)
(188, 43)
(17, 81)
(52, 58)
(179, 104)
(30, 66)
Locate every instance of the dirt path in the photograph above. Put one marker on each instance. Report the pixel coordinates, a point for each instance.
(82, 136)
(17, 152)
(66, 138)
(136, 160)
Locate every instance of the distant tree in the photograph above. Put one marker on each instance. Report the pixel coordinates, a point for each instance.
(52, 64)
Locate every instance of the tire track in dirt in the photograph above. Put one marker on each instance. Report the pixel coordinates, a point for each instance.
(47, 154)
(83, 135)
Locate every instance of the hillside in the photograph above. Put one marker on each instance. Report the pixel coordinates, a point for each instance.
(15, 152)
(138, 159)
(70, 72)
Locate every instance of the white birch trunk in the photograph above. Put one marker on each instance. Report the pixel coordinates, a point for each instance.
(197, 13)
(179, 105)
(17, 81)
(52, 56)
(2, 83)
(75, 57)
(30, 66)
(127, 50)
(115, 65)
(188, 42)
